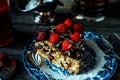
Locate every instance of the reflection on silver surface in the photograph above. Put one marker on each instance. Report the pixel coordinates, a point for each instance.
(106, 46)
(44, 17)
(114, 40)
(33, 58)
(28, 5)
(44, 9)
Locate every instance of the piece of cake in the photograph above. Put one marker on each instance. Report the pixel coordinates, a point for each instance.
(64, 46)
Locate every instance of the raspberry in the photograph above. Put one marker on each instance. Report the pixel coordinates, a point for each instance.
(4, 59)
(67, 45)
(75, 37)
(41, 35)
(61, 28)
(54, 38)
(1, 64)
(78, 28)
(68, 23)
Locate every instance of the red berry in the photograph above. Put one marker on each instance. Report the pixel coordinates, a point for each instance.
(61, 28)
(67, 45)
(75, 37)
(54, 38)
(68, 22)
(78, 28)
(41, 35)
(4, 59)
(1, 64)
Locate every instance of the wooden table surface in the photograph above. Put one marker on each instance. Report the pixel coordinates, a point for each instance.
(24, 29)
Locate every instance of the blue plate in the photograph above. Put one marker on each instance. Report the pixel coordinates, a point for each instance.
(104, 69)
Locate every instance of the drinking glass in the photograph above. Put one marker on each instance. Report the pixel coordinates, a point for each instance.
(5, 24)
(90, 9)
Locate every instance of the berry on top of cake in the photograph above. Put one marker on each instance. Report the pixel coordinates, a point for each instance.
(61, 28)
(54, 38)
(41, 35)
(65, 47)
(68, 23)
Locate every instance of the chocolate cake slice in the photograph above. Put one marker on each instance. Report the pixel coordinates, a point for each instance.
(65, 47)
(74, 61)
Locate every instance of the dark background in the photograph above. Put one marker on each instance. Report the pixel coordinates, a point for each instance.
(24, 30)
